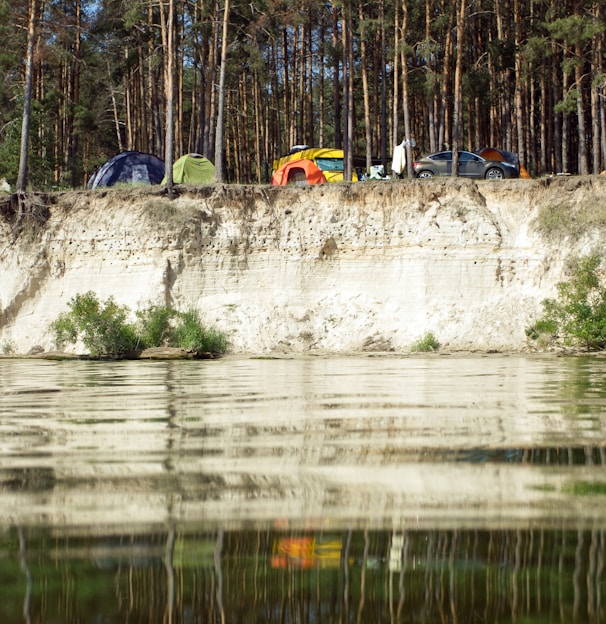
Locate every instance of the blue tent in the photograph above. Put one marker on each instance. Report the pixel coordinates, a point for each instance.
(128, 168)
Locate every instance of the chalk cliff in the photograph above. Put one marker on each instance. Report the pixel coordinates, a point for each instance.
(331, 268)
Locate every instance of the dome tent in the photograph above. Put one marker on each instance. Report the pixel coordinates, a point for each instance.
(299, 172)
(128, 168)
(192, 169)
(493, 153)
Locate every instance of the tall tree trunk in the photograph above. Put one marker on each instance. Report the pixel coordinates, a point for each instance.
(544, 141)
(179, 143)
(75, 99)
(596, 62)
(601, 95)
(531, 129)
(142, 111)
(288, 117)
(127, 81)
(27, 95)
(154, 124)
(583, 156)
(365, 92)
(309, 89)
(478, 106)
(557, 165)
(114, 108)
(169, 146)
(212, 68)
(565, 123)
(504, 79)
(603, 124)
(202, 137)
(259, 129)
(519, 111)
(458, 94)
(431, 92)
(198, 104)
(383, 66)
(348, 69)
(336, 86)
(321, 78)
(595, 129)
(277, 116)
(405, 95)
(446, 94)
(298, 88)
(397, 32)
(220, 135)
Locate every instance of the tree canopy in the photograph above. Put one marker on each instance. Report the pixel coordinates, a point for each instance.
(525, 76)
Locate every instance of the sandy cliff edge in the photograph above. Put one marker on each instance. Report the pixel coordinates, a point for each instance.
(332, 268)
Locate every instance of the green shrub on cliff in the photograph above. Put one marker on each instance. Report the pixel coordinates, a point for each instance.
(102, 327)
(104, 330)
(191, 335)
(577, 317)
(155, 326)
(159, 326)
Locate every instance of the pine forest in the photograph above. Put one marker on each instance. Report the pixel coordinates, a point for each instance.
(242, 81)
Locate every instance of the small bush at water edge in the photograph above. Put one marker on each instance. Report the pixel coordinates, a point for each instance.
(101, 327)
(191, 335)
(105, 332)
(155, 326)
(8, 348)
(578, 316)
(427, 343)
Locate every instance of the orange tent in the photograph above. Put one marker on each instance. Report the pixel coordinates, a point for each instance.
(492, 153)
(298, 172)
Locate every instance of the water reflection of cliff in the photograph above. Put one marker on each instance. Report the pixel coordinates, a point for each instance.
(312, 490)
(448, 442)
(268, 576)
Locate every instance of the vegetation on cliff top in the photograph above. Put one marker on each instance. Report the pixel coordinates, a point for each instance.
(571, 213)
(104, 330)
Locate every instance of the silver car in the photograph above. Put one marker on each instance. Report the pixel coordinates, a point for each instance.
(470, 166)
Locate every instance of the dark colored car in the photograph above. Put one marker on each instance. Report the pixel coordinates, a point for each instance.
(470, 166)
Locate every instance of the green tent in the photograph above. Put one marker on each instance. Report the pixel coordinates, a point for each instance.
(192, 169)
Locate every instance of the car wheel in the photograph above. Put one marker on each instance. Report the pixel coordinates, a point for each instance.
(494, 173)
(425, 174)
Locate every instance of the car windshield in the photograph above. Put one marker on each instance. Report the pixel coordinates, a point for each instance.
(330, 164)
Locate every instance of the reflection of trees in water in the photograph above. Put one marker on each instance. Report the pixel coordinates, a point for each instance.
(583, 394)
(441, 576)
(28, 575)
(583, 387)
(352, 576)
(586, 456)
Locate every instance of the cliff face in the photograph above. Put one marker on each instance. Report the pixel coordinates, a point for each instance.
(331, 268)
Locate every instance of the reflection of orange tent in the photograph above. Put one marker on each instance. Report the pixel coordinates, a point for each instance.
(298, 172)
(492, 153)
(305, 553)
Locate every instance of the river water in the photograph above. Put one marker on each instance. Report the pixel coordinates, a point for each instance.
(306, 489)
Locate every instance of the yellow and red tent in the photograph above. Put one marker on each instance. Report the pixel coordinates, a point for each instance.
(299, 172)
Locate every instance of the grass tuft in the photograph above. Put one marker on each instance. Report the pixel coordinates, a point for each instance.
(428, 342)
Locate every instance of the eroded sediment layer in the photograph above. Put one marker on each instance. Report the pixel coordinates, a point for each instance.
(333, 268)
